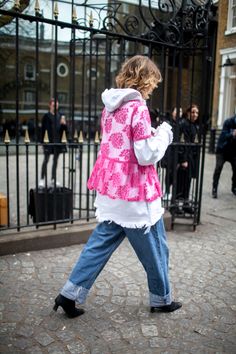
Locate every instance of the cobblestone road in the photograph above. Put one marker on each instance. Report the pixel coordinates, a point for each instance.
(117, 317)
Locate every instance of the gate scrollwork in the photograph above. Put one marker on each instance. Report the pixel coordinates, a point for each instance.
(165, 21)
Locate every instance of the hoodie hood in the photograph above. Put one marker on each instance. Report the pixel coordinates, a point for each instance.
(114, 98)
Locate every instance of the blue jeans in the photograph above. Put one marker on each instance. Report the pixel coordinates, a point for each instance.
(151, 248)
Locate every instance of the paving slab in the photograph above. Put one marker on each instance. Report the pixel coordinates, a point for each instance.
(117, 318)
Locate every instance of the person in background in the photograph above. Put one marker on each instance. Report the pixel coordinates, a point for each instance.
(155, 117)
(54, 123)
(188, 156)
(168, 160)
(128, 200)
(225, 151)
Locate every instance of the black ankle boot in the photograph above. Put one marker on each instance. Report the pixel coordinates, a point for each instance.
(167, 308)
(68, 306)
(214, 192)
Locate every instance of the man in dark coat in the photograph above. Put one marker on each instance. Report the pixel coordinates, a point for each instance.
(226, 151)
(53, 124)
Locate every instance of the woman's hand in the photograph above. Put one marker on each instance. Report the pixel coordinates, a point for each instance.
(184, 164)
(63, 120)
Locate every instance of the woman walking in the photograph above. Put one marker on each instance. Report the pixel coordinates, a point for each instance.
(128, 201)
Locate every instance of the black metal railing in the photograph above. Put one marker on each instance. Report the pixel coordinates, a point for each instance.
(74, 65)
(70, 200)
(28, 203)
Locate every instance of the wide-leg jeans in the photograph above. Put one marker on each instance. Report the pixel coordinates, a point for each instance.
(150, 247)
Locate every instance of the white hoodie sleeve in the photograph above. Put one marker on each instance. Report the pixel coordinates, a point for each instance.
(149, 151)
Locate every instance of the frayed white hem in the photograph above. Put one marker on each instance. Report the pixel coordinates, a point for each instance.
(128, 225)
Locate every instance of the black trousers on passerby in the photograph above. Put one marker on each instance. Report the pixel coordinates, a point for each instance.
(54, 164)
(220, 160)
(183, 183)
(168, 179)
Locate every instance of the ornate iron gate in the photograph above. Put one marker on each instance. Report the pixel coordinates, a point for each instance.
(74, 65)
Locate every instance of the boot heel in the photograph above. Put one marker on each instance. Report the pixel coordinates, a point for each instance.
(68, 306)
(55, 307)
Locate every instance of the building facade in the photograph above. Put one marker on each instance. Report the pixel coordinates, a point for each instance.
(42, 80)
(95, 67)
(224, 99)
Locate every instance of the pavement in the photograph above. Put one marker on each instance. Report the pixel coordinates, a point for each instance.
(117, 318)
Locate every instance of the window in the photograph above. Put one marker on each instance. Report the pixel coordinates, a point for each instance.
(29, 72)
(232, 100)
(62, 97)
(231, 22)
(62, 70)
(93, 73)
(234, 14)
(29, 96)
(227, 91)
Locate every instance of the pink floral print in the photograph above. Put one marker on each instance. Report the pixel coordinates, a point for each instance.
(116, 172)
(139, 131)
(116, 140)
(120, 115)
(115, 178)
(104, 148)
(108, 125)
(125, 154)
(127, 131)
(125, 168)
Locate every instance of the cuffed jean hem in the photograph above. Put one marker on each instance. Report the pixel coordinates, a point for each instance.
(74, 292)
(158, 301)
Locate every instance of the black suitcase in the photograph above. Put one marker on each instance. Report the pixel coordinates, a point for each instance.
(50, 204)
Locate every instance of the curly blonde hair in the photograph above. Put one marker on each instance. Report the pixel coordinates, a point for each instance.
(139, 73)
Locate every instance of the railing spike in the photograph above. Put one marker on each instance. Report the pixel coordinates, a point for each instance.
(45, 138)
(96, 139)
(27, 139)
(74, 15)
(7, 138)
(56, 11)
(91, 20)
(81, 138)
(76, 135)
(182, 138)
(17, 5)
(37, 6)
(63, 138)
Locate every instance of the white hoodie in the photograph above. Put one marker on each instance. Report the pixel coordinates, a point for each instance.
(114, 98)
(148, 151)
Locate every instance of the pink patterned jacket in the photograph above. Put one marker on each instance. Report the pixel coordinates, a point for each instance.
(116, 172)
